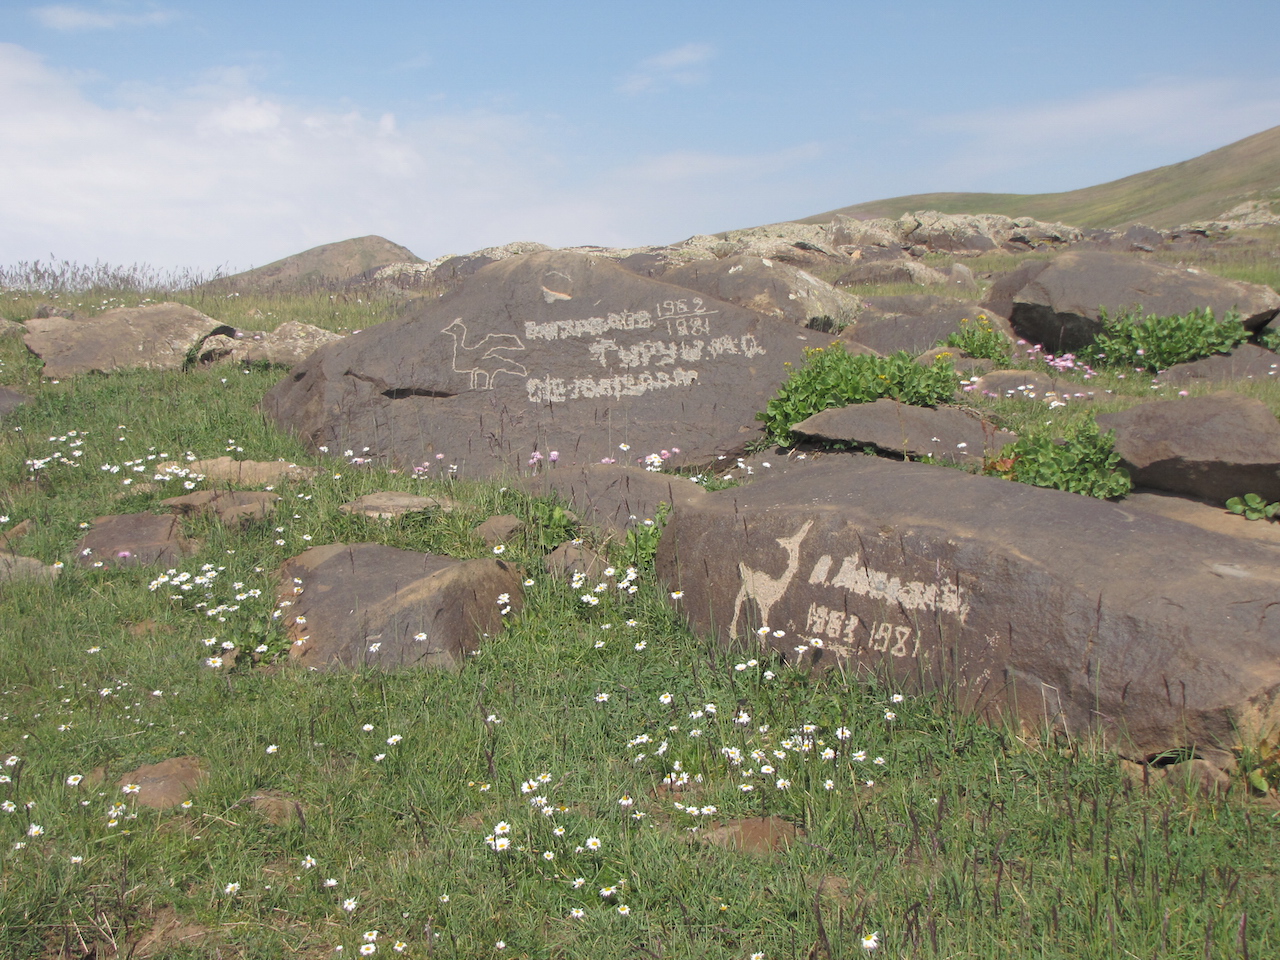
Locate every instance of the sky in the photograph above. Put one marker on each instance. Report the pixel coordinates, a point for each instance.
(228, 134)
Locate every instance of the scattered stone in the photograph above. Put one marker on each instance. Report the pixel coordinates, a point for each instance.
(1248, 361)
(547, 352)
(570, 558)
(1029, 385)
(14, 534)
(277, 807)
(1215, 447)
(614, 497)
(245, 473)
(388, 504)
(156, 337)
(10, 400)
(133, 539)
(945, 433)
(1060, 307)
(499, 529)
(1053, 607)
(167, 932)
(166, 784)
(288, 345)
(10, 328)
(757, 835)
(767, 286)
(366, 605)
(961, 361)
(1194, 777)
(232, 508)
(16, 569)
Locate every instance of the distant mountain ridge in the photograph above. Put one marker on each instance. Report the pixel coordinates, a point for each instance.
(329, 263)
(1202, 188)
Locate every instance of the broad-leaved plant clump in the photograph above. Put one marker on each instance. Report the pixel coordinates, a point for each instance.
(1253, 507)
(831, 377)
(1084, 461)
(980, 339)
(1157, 343)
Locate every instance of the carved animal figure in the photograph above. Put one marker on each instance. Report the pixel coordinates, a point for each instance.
(764, 589)
(484, 359)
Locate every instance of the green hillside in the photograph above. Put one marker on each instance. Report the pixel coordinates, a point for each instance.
(1198, 189)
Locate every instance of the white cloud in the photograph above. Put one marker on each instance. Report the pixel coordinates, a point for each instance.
(680, 66)
(226, 173)
(1126, 130)
(61, 16)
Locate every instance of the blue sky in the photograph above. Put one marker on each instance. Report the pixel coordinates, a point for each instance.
(185, 134)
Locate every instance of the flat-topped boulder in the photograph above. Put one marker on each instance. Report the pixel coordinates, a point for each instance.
(248, 473)
(155, 337)
(389, 504)
(1248, 361)
(133, 539)
(11, 400)
(944, 433)
(767, 286)
(1045, 605)
(367, 605)
(1215, 447)
(232, 507)
(916, 323)
(1059, 306)
(549, 352)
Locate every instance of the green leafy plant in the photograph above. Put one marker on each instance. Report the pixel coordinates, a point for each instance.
(1157, 343)
(979, 339)
(830, 377)
(1253, 507)
(643, 537)
(551, 523)
(1084, 461)
(1270, 338)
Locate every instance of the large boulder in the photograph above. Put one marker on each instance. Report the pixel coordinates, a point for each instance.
(901, 270)
(945, 434)
(1060, 306)
(1248, 361)
(547, 352)
(915, 322)
(159, 336)
(367, 605)
(1213, 447)
(1049, 606)
(133, 539)
(614, 497)
(768, 287)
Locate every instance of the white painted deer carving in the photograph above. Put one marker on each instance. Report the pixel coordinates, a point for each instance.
(471, 359)
(764, 589)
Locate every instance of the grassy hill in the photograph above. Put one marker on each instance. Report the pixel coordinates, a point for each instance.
(1197, 189)
(333, 262)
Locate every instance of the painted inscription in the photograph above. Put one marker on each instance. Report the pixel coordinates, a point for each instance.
(829, 617)
(484, 360)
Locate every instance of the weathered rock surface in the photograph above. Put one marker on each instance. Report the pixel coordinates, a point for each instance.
(287, 345)
(233, 508)
(10, 328)
(247, 473)
(917, 323)
(614, 497)
(1046, 605)
(155, 337)
(1060, 306)
(499, 529)
(1246, 362)
(364, 604)
(165, 784)
(901, 270)
(944, 433)
(570, 558)
(957, 233)
(1215, 447)
(550, 351)
(133, 539)
(1211, 517)
(765, 286)
(10, 400)
(387, 504)
(1029, 385)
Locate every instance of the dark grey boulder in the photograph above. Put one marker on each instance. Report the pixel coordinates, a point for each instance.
(1213, 447)
(550, 352)
(287, 345)
(917, 323)
(231, 507)
(1246, 362)
(1037, 604)
(614, 497)
(367, 605)
(901, 270)
(1060, 306)
(160, 336)
(945, 433)
(767, 286)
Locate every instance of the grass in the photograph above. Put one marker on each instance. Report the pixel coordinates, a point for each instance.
(945, 836)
